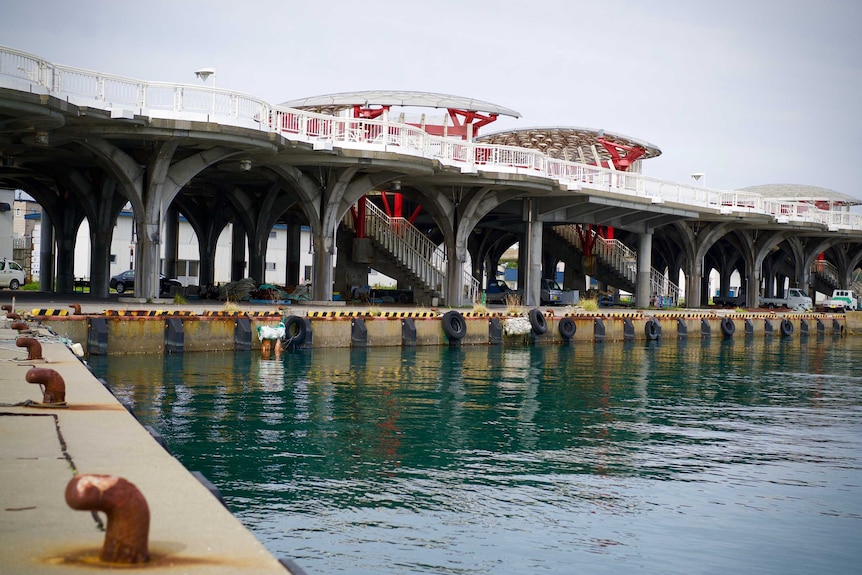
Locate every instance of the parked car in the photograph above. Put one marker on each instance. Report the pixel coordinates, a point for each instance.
(126, 282)
(12, 275)
(551, 293)
(497, 292)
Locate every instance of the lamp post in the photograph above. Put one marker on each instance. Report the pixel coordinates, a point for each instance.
(204, 74)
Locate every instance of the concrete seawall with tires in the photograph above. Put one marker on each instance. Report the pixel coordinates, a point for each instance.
(152, 331)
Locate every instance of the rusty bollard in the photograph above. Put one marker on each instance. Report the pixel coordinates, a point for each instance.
(76, 307)
(55, 387)
(128, 515)
(34, 348)
(20, 326)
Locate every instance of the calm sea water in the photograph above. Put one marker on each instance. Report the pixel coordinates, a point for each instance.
(692, 457)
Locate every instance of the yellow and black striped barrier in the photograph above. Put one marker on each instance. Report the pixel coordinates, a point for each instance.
(49, 312)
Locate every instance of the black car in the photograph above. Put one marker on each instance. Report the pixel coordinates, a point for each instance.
(126, 282)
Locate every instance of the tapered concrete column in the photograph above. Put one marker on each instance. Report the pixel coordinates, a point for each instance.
(100, 253)
(147, 259)
(46, 254)
(533, 281)
(643, 295)
(694, 285)
(805, 281)
(455, 295)
(294, 248)
(321, 287)
(751, 285)
(257, 257)
(66, 265)
(237, 252)
(172, 239)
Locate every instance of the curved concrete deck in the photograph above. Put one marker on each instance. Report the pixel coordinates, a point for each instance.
(41, 449)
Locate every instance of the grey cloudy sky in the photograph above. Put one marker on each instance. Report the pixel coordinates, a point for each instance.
(748, 92)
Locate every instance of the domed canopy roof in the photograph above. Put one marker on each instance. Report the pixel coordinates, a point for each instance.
(333, 103)
(568, 143)
(799, 192)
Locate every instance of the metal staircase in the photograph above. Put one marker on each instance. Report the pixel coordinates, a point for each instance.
(406, 250)
(621, 263)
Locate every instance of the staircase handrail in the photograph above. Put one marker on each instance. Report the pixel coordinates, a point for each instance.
(623, 259)
(411, 247)
(827, 270)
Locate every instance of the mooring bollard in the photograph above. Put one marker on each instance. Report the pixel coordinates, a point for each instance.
(127, 533)
(34, 348)
(55, 387)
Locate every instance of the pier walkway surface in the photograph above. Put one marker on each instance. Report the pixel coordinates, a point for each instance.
(42, 448)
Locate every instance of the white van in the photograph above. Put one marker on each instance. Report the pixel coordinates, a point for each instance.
(12, 274)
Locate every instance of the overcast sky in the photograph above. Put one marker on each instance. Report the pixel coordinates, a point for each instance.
(747, 92)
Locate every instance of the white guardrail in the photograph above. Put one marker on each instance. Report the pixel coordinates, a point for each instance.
(25, 72)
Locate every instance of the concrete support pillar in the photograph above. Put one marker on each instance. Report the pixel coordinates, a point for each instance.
(294, 249)
(643, 295)
(694, 282)
(206, 269)
(533, 280)
(100, 254)
(147, 259)
(257, 257)
(172, 240)
(46, 254)
(455, 295)
(751, 285)
(805, 281)
(237, 252)
(66, 264)
(321, 287)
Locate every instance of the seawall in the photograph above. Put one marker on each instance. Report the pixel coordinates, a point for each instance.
(153, 331)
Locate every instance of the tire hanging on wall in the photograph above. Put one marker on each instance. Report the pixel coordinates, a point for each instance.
(727, 327)
(538, 322)
(567, 328)
(454, 325)
(652, 329)
(786, 327)
(294, 330)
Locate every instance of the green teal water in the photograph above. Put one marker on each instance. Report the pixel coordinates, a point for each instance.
(660, 457)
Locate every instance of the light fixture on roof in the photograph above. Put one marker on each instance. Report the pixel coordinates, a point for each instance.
(245, 165)
(205, 73)
(698, 175)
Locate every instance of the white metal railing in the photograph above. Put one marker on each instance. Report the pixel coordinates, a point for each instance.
(623, 259)
(25, 72)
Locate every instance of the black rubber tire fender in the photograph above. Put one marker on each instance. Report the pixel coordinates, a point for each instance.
(652, 329)
(538, 322)
(567, 328)
(294, 330)
(454, 325)
(728, 327)
(786, 327)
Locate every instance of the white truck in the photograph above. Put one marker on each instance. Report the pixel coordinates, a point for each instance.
(795, 299)
(841, 300)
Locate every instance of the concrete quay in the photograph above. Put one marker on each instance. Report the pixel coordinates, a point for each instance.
(42, 448)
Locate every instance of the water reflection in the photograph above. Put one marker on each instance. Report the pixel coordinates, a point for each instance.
(474, 460)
